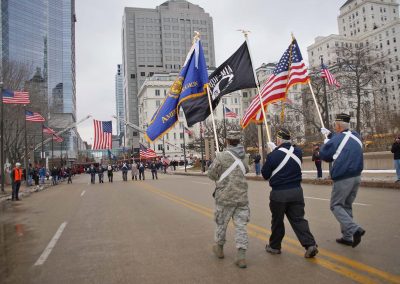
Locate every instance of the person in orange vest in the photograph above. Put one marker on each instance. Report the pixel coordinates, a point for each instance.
(16, 177)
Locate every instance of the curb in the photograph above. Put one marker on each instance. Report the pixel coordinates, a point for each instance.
(26, 192)
(375, 184)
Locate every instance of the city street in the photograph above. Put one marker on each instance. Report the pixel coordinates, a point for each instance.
(161, 231)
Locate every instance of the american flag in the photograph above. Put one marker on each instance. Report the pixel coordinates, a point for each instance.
(188, 131)
(290, 71)
(57, 138)
(33, 116)
(48, 130)
(325, 73)
(147, 153)
(11, 97)
(229, 113)
(102, 135)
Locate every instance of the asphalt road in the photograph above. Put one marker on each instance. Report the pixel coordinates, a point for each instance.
(161, 231)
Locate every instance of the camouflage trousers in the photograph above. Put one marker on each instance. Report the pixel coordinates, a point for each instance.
(240, 217)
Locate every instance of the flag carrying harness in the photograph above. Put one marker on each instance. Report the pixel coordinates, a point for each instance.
(237, 162)
(347, 136)
(289, 154)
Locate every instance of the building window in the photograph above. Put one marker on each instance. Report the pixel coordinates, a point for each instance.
(174, 135)
(143, 74)
(133, 76)
(159, 147)
(157, 93)
(244, 94)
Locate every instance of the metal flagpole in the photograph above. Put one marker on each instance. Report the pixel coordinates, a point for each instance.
(184, 148)
(52, 151)
(316, 104)
(201, 147)
(2, 173)
(213, 120)
(26, 150)
(325, 96)
(42, 155)
(224, 126)
(246, 34)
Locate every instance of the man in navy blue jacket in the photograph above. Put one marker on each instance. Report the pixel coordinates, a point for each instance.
(345, 150)
(283, 169)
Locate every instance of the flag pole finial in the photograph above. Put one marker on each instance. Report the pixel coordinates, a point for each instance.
(245, 33)
(196, 36)
(293, 38)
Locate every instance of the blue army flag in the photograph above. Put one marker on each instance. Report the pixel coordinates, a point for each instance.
(191, 82)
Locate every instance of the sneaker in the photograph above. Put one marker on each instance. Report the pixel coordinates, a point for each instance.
(357, 237)
(272, 250)
(344, 242)
(311, 252)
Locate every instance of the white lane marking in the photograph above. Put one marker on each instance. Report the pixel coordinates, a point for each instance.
(83, 193)
(207, 183)
(51, 245)
(324, 199)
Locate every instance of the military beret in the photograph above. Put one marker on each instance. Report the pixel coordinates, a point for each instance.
(283, 133)
(233, 135)
(343, 117)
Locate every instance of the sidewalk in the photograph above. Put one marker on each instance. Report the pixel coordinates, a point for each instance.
(369, 178)
(23, 191)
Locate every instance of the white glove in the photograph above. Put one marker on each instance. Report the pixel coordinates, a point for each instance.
(326, 140)
(325, 131)
(271, 145)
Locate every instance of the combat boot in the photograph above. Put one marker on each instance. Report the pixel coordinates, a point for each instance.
(218, 250)
(241, 258)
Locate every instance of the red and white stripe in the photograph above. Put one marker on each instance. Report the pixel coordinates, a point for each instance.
(148, 154)
(18, 98)
(58, 139)
(48, 130)
(275, 88)
(102, 140)
(325, 73)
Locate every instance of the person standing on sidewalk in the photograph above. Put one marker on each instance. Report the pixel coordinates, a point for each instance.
(42, 174)
(345, 150)
(231, 201)
(257, 165)
(396, 155)
(317, 161)
(16, 177)
(283, 170)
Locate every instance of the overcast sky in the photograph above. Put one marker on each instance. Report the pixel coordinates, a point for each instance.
(98, 40)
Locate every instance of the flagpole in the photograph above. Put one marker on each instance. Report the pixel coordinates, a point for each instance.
(325, 96)
(224, 126)
(316, 104)
(26, 150)
(246, 34)
(52, 150)
(42, 155)
(201, 147)
(2, 139)
(212, 118)
(184, 148)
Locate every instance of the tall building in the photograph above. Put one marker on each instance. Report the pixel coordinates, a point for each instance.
(119, 101)
(40, 34)
(158, 40)
(366, 24)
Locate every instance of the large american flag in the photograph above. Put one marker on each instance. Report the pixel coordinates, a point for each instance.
(290, 71)
(147, 153)
(33, 116)
(102, 135)
(12, 97)
(48, 130)
(325, 73)
(229, 113)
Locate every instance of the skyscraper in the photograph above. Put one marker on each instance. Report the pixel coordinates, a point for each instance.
(119, 100)
(158, 40)
(41, 34)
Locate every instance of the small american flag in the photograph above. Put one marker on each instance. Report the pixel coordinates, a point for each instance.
(290, 71)
(325, 73)
(147, 153)
(58, 139)
(33, 116)
(188, 131)
(102, 135)
(230, 114)
(11, 97)
(48, 130)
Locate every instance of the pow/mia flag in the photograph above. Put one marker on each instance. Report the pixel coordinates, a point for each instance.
(236, 73)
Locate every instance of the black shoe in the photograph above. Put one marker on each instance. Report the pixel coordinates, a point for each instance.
(272, 250)
(344, 242)
(311, 251)
(357, 237)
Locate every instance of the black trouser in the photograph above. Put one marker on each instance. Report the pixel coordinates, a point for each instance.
(154, 174)
(92, 178)
(101, 178)
(69, 179)
(124, 176)
(15, 190)
(110, 178)
(319, 168)
(295, 213)
(141, 174)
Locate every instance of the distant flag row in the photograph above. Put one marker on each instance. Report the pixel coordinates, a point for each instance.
(48, 130)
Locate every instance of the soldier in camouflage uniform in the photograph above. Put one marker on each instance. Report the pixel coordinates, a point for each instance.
(228, 171)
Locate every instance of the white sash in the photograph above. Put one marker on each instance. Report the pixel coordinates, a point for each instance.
(289, 154)
(237, 162)
(347, 136)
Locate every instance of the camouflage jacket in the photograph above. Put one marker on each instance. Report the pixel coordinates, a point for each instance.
(231, 191)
